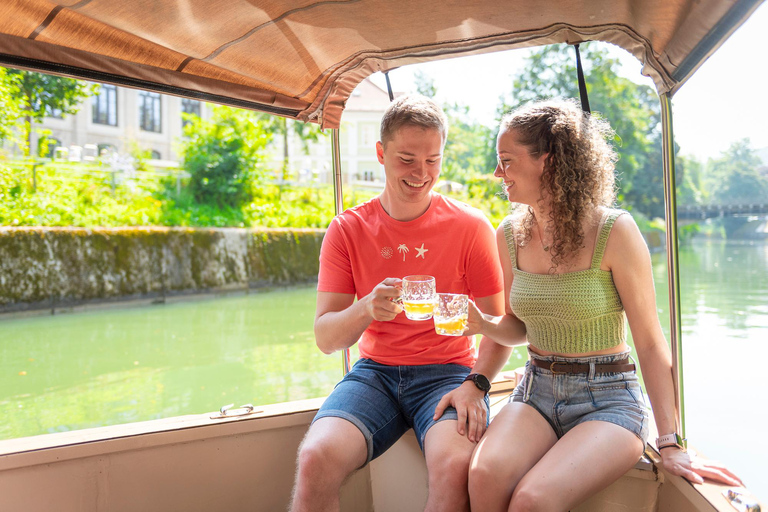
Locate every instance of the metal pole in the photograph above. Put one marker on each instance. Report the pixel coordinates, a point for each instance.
(673, 267)
(338, 202)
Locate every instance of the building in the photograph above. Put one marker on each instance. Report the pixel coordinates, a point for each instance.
(121, 119)
(359, 133)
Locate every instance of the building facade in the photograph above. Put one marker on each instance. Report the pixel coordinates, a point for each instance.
(121, 120)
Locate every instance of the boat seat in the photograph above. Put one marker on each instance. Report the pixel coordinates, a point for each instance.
(399, 476)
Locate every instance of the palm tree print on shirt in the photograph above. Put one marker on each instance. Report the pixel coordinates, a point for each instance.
(402, 248)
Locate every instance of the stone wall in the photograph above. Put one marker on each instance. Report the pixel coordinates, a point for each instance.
(53, 267)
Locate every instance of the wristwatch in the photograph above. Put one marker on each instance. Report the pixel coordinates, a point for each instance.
(669, 440)
(480, 380)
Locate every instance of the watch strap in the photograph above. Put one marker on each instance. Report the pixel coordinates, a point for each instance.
(480, 380)
(668, 440)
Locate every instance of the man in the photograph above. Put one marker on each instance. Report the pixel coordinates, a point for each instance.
(408, 376)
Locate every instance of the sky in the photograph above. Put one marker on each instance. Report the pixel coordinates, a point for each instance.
(726, 100)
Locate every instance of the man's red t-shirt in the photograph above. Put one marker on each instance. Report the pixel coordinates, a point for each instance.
(451, 241)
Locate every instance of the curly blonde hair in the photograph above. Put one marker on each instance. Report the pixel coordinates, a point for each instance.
(579, 171)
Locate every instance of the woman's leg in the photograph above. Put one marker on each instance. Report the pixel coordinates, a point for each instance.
(584, 461)
(514, 442)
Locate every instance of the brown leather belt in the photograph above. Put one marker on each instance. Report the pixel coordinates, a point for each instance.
(556, 367)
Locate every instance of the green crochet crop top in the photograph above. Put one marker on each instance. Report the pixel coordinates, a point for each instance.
(573, 312)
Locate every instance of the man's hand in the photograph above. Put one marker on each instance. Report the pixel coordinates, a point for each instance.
(469, 403)
(380, 303)
(695, 470)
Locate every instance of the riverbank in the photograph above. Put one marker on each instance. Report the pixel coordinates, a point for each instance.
(46, 268)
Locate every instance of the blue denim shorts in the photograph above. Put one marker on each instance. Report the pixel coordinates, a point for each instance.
(565, 400)
(385, 401)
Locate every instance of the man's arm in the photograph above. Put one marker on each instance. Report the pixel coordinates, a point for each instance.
(340, 320)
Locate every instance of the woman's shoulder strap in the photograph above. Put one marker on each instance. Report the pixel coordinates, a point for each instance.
(509, 236)
(606, 223)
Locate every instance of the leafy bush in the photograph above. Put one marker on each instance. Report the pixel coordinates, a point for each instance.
(64, 199)
(223, 156)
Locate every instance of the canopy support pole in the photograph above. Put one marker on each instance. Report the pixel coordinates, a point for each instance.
(389, 87)
(673, 268)
(582, 83)
(338, 203)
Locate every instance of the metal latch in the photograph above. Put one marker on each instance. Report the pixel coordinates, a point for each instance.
(741, 500)
(227, 412)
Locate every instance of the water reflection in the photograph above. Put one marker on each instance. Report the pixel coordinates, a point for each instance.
(724, 311)
(107, 367)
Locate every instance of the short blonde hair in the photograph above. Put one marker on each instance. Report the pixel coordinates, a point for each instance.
(414, 110)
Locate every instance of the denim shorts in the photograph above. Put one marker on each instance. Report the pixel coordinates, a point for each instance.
(565, 400)
(385, 401)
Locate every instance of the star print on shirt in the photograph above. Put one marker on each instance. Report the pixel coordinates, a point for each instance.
(421, 250)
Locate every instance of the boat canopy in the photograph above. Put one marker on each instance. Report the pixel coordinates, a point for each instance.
(302, 59)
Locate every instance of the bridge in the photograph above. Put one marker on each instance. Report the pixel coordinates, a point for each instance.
(710, 211)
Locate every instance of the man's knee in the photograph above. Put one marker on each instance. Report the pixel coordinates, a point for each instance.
(331, 451)
(313, 458)
(451, 466)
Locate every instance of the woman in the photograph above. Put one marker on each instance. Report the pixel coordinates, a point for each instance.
(573, 267)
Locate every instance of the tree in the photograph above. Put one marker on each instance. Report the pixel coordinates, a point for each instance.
(734, 177)
(285, 129)
(9, 110)
(469, 150)
(691, 190)
(632, 110)
(223, 155)
(38, 95)
(469, 146)
(425, 84)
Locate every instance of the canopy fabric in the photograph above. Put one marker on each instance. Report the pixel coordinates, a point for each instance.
(302, 58)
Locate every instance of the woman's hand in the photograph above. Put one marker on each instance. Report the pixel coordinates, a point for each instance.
(475, 320)
(695, 470)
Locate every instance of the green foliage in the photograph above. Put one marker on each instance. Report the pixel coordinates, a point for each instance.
(425, 85)
(286, 130)
(63, 199)
(224, 155)
(632, 110)
(9, 108)
(37, 95)
(468, 147)
(691, 187)
(734, 177)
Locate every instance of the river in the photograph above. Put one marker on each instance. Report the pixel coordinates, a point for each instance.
(106, 366)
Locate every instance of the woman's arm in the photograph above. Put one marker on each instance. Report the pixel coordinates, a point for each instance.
(627, 257)
(506, 329)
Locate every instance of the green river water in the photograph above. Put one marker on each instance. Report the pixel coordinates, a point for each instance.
(112, 365)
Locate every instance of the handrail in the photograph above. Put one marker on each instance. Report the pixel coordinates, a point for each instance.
(338, 202)
(673, 267)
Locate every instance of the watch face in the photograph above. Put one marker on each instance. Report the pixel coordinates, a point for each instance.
(482, 382)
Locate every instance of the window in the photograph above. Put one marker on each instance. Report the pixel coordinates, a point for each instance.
(150, 119)
(105, 105)
(155, 155)
(54, 113)
(191, 107)
(367, 135)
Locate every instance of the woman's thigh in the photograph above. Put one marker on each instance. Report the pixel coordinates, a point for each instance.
(590, 457)
(515, 441)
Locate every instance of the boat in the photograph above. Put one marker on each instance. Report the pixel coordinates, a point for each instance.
(302, 60)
